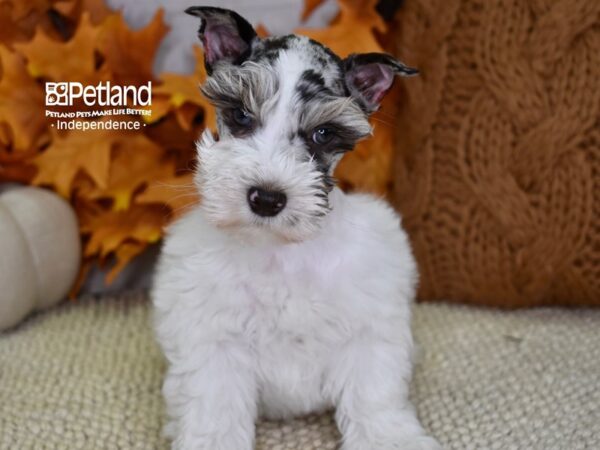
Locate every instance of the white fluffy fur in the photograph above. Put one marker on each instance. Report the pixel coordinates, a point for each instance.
(286, 329)
(287, 315)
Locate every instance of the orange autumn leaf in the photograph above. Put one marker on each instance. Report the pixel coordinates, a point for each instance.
(88, 151)
(353, 31)
(136, 161)
(178, 193)
(180, 89)
(73, 60)
(21, 102)
(129, 54)
(172, 94)
(109, 229)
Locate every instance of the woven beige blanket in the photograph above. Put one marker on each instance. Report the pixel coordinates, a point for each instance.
(87, 376)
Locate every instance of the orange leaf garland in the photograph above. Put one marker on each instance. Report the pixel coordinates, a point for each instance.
(353, 31)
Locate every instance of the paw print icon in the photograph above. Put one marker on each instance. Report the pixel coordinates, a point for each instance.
(57, 94)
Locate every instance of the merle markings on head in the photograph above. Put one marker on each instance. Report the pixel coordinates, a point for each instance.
(287, 109)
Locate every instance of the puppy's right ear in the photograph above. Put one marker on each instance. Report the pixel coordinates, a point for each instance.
(225, 35)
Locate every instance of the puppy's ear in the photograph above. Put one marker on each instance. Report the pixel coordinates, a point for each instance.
(225, 35)
(369, 76)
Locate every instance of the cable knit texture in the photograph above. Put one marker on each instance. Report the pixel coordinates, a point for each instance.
(497, 171)
(88, 375)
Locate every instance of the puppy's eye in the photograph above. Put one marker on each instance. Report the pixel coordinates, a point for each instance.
(241, 117)
(322, 135)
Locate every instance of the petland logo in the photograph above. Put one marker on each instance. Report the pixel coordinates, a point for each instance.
(103, 94)
(112, 100)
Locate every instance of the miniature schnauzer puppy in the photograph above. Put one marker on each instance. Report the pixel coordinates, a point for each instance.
(280, 295)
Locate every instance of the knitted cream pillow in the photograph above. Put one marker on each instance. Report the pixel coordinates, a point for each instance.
(497, 171)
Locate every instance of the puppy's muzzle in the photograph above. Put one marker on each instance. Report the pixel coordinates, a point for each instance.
(266, 203)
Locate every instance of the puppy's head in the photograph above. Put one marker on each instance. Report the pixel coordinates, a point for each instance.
(287, 108)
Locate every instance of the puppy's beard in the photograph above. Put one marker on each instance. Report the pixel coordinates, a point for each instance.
(256, 235)
(260, 231)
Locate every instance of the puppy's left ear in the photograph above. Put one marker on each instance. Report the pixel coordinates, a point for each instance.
(225, 35)
(369, 76)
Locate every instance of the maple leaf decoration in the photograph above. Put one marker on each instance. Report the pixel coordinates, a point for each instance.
(108, 230)
(73, 60)
(126, 186)
(136, 161)
(129, 54)
(77, 152)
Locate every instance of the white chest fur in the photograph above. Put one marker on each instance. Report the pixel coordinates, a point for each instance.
(359, 267)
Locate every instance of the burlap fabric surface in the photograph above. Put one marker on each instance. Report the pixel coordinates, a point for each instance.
(88, 376)
(498, 165)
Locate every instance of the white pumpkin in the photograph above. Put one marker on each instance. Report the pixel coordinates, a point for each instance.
(40, 251)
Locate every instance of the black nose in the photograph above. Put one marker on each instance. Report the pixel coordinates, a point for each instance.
(266, 203)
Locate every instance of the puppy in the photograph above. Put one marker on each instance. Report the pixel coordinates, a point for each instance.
(280, 295)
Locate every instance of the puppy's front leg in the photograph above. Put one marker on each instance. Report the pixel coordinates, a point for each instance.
(211, 399)
(370, 383)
